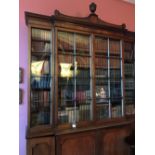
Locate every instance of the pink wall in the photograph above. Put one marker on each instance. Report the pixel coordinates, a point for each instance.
(114, 11)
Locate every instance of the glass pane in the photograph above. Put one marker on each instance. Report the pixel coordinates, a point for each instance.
(83, 62)
(101, 88)
(101, 62)
(40, 107)
(85, 109)
(129, 84)
(65, 42)
(65, 81)
(116, 98)
(40, 73)
(41, 79)
(102, 99)
(129, 54)
(102, 111)
(40, 34)
(115, 78)
(40, 46)
(129, 72)
(101, 45)
(82, 44)
(115, 74)
(116, 109)
(115, 89)
(129, 106)
(114, 48)
(115, 63)
(101, 74)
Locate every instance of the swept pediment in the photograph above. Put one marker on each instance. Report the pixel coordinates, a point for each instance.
(91, 20)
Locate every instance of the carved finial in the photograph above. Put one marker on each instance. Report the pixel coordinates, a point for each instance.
(123, 26)
(92, 7)
(56, 12)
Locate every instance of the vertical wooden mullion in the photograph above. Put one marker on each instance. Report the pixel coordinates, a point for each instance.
(122, 76)
(92, 47)
(56, 77)
(74, 77)
(52, 68)
(110, 106)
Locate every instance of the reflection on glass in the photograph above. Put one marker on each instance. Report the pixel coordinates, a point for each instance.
(65, 70)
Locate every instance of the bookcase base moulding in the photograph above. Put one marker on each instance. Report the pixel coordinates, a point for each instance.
(108, 139)
(81, 87)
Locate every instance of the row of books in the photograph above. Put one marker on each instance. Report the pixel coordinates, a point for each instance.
(113, 82)
(102, 111)
(114, 48)
(82, 42)
(129, 55)
(39, 34)
(130, 99)
(71, 82)
(79, 95)
(116, 111)
(115, 74)
(83, 74)
(115, 93)
(103, 73)
(75, 114)
(81, 60)
(100, 81)
(40, 118)
(129, 69)
(66, 41)
(129, 83)
(101, 44)
(41, 82)
(130, 94)
(115, 53)
(114, 45)
(128, 46)
(130, 109)
(85, 61)
(115, 63)
(101, 62)
(40, 46)
(40, 99)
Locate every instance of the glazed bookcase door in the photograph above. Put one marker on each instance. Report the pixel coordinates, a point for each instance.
(40, 77)
(74, 78)
(115, 68)
(108, 78)
(101, 78)
(129, 72)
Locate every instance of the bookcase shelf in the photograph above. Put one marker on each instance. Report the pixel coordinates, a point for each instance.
(40, 40)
